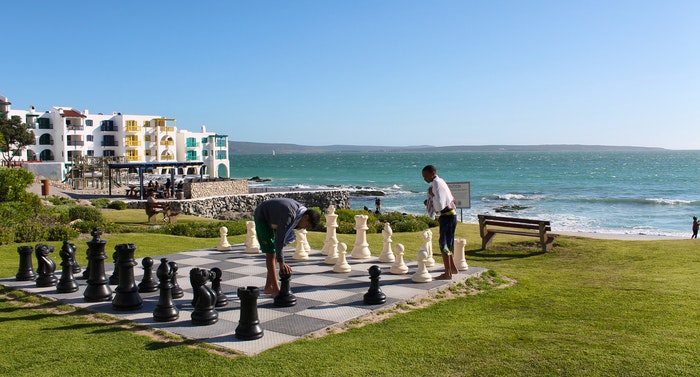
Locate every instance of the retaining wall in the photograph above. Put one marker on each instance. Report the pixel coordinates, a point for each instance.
(218, 207)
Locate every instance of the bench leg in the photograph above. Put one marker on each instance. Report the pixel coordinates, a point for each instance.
(486, 240)
(153, 218)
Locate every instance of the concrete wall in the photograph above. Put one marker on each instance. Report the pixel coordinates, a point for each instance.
(220, 207)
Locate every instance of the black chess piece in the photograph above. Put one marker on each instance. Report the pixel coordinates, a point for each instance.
(97, 283)
(127, 295)
(204, 312)
(114, 278)
(221, 299)
(165, 310)
(177, 291)
(86, 271)
(249, 325)
(374, 295)
(74, 263)
(26, 268)
(67, 282)
(148, 284)
(45, 266)
(285, 297)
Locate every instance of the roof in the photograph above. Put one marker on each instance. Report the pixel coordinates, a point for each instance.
(72, 113)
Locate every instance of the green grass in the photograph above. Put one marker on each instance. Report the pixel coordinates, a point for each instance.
(588, 308)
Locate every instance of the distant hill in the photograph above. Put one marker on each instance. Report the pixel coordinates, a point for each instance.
(243, 147)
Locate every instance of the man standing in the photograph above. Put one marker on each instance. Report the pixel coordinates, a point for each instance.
(441, 202)
(275, 221)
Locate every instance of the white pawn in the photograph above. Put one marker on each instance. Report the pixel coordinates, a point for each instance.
(428, 247)
(300, 252)
(459, 257)
(399, 267)
(341, 264)
(223, 242)
(251, 240)
(422, 275)
(386, 255)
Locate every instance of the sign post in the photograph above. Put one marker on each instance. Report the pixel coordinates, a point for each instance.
(462, 194)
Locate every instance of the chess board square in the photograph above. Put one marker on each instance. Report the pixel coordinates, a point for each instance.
(195, 262)
(296, 325)
(334, 312)
(324, 295)
(248, 270)
(316, 280)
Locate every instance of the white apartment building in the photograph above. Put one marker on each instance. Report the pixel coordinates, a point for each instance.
(64, 133)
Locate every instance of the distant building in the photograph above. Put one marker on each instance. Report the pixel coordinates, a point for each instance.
(64, 133)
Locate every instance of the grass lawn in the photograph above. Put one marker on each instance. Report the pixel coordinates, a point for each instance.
(588, 308)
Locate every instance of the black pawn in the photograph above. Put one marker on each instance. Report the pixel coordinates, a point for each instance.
(165, 310)
(221, 299)
(374, 295)
(97, 283)
(26, 268)
(285, 297)
(127, 293)
(74, 263)
(114, 278)
(249, 325)
(204, 312)
(148, 284)
(67, 282)
(177, 291)
(45, 266)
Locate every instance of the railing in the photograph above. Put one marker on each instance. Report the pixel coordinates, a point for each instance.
(133, 158)
(107, 128)
(75, 127)
(132, 143)
(76, 142)
(167, 158)
(108, 143)
(192, 144)
(167, 142)
(133, 128)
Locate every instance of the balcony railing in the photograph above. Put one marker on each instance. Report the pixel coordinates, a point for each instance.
(108, 128)
(76, 142)
(221, 155)
(133, 158)
(166, 128)
(167, 158)
(167, 142)
(132, 143)
(110, 143)
(75, 127)
(133, 128)
(192, 144)
(220, 143)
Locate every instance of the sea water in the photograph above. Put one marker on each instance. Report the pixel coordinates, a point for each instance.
(638, 193)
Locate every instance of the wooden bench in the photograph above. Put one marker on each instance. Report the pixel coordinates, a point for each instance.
(489, 226)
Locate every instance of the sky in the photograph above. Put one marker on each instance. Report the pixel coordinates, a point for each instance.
(361, 72)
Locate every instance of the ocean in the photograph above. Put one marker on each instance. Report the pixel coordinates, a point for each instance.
(650, 193)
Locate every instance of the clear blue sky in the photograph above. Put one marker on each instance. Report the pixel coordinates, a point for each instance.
(398, 73)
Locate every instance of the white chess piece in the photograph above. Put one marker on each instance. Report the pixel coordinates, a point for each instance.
(341, 264)
(422, 275)
(252, 246)
(333, 254)
(386, 255)
(331, 242)
(300, 252)
(428, 247)
(361, 248)
(223, 242)
(459, 257)
(399, 267)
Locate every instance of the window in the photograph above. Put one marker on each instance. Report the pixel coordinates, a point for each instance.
(205, 140)
(205, 153)
(88, 122)
(191, 142)
(89, 137)
(191, 155)
(90, 152)
(108, 153)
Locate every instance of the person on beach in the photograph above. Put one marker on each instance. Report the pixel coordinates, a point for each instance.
(275, 221)
(696, 226)
(440, 202)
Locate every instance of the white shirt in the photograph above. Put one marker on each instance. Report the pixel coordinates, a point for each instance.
(442, 196)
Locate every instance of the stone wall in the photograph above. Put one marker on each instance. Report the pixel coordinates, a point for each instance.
(224, 207)
(193, 190)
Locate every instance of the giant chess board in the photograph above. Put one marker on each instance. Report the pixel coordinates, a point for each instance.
(324, 298)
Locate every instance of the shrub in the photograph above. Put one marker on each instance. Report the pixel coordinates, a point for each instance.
(117, 204)
(410, 224)
(7, 235)
(15, 212)
(85, 213)
(58, 200)
(14, 183)
(60, 233)
(29, 232)
(100, 203)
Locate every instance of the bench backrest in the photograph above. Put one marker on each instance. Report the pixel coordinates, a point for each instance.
(513, 222)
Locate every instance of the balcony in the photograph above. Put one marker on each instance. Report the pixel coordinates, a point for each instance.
(133, 128)
(109, 128)
(220, 143)
(75, 127)
(167, 142)
(166, 128)
(132, 143)
(167, 158)
(221, 155)
(133, 158)
(192, 144)
(110, 143)
(78, 143)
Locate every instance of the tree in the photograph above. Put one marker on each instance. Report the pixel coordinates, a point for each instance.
(15, 136)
